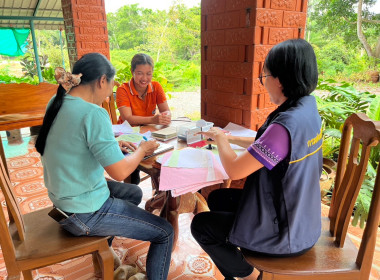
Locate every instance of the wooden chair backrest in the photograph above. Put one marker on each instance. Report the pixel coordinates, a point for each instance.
(21, 98)
(358, 131)
(359, 135)
(15, 217)
(109, 105)
(368, 243)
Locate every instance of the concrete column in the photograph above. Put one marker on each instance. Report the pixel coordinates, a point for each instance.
(86, 28)
(236, 36)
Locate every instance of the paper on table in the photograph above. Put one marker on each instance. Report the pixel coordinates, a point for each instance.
(215, 151)
(188, 158)
(123, 128)
(183, 180)
(194, 188)
(180, 180)
(237, 130)
(210, 167)
(134, 137)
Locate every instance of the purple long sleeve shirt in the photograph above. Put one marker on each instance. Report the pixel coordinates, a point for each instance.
(272, 147)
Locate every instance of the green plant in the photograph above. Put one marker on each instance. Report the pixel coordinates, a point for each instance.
(336, 102)
(364, 198)
(48, 75)
(7, 79)
(29, 67)
(339, 100)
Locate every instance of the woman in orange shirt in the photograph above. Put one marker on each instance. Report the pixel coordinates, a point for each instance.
(137, 99)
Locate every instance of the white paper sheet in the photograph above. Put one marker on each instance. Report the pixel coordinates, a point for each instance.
(123, 128)
(237, 130)
(188, 158)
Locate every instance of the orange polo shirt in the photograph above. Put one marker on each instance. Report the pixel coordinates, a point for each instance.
(126, 95)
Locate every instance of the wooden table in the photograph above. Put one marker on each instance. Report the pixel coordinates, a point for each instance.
(173, 206)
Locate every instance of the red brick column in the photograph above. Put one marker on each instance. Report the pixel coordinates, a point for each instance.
(86, 28)
(236, 36)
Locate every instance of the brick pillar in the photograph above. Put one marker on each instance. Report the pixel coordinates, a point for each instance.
(236, 36)
(86, 28)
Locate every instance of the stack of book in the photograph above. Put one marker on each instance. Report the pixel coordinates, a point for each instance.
(165, 133)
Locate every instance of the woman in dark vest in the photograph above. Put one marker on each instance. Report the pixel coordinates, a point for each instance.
(278, 212)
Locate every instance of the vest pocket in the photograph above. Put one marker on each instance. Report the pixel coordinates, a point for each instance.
(272, 212)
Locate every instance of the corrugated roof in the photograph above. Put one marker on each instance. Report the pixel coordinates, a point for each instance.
(18, 13)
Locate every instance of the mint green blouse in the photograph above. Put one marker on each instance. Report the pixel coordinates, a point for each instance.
(78, 147)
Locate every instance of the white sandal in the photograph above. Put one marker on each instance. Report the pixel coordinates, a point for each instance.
(124, 272)
(138, 276)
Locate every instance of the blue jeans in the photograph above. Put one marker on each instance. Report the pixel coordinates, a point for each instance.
(120, 216)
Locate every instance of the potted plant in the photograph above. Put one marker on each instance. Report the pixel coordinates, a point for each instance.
(374, 76)
(374, 73)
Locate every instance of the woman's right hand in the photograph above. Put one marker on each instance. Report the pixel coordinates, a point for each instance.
(148, 146)
(213, 133)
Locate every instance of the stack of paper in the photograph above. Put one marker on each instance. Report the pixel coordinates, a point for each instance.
(189, 170)
(165, 133)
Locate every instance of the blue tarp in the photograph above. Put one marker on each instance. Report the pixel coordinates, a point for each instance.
(13, 41)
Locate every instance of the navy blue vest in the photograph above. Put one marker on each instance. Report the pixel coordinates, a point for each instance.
(280, 209)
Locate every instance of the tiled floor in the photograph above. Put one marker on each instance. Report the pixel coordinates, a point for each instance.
(188, 260)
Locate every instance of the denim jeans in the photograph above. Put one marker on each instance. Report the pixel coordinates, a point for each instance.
(120, 216)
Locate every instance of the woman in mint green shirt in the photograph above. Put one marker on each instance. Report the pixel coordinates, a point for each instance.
(77, 144)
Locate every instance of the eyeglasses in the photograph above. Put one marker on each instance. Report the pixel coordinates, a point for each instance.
(261, 76)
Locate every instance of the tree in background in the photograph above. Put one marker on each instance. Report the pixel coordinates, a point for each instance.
(171, 37)
(127, 27)
(375, 52)
(351, 20)
(185, 27)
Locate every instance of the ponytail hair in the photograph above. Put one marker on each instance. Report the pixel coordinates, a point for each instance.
(92, 66)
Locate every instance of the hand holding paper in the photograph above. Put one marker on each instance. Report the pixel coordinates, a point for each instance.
(214, 133)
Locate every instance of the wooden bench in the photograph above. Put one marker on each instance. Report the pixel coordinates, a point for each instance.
(24, 105)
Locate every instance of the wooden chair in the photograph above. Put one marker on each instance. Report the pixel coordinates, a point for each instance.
(335, 256)
(109, 105)
(35, 240)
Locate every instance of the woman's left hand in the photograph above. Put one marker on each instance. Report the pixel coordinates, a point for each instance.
(126, 146)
